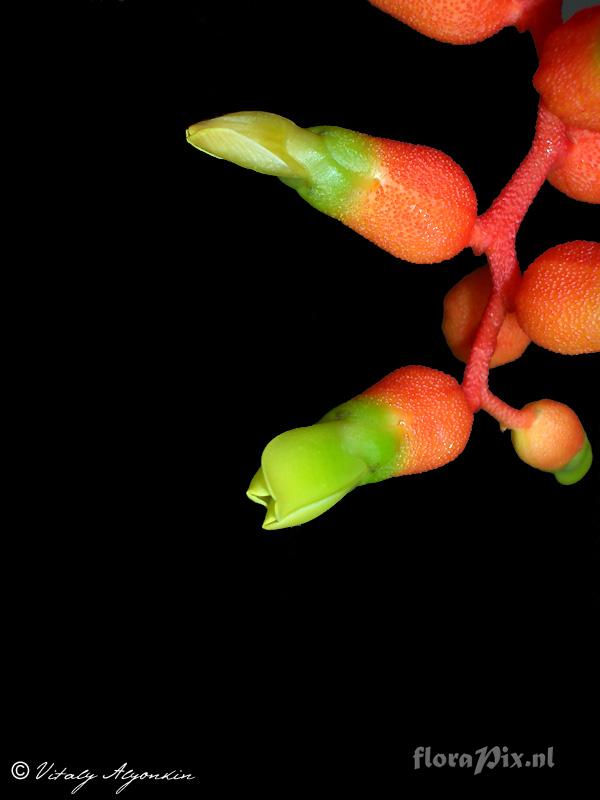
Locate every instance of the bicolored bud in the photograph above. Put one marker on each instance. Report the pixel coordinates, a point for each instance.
(463, 309)
(558, 302)
(411, 200)
(414, 420)
(568, 77)
(467, 21)
(577, 173)
(307, 470)
(432, 416)
(554, 442)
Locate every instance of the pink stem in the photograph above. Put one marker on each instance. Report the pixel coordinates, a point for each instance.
(475, 378)
(506, 415)
(494, 234)
(502, 220)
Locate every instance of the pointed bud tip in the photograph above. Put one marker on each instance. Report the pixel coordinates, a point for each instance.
(258, 491)
(255, 140)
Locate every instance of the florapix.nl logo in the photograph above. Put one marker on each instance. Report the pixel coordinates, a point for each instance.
(483, 758)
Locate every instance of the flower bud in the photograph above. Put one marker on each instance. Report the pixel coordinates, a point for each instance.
(415, 419)
(554, 442)
(558, 302)
(411, 200)
(307, 470)
(568, 77)
(466, 21)
(464, 306)
(577, 173)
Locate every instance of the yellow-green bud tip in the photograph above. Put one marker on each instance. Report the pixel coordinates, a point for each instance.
(578, 466)
(303, 473)
(256, 140)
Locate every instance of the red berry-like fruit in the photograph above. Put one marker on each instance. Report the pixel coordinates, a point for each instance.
(470, 21)
(577, 174)
(568, 77)
(558, 302)
(463, 309)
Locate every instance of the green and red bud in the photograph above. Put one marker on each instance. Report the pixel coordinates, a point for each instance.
(411, 200)
(432, 417)
(554, 442)
(414, 420)
(305, 471)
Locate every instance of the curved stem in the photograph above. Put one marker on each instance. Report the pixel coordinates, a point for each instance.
(507, 416)
(494, 234)
(476, 372)
(502, 220)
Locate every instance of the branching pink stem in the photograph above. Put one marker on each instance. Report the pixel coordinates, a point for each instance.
(494, 234)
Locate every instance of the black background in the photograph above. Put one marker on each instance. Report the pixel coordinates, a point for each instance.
(168, 315)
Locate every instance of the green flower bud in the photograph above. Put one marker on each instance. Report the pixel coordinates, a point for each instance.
(305, 471)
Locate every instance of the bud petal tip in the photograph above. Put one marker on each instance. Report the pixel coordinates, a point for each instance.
(255, 140)
(578, 466)
(304, 473)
